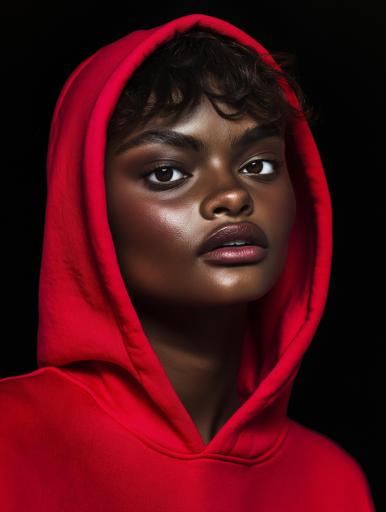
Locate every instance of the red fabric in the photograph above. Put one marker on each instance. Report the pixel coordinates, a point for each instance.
(99, 426)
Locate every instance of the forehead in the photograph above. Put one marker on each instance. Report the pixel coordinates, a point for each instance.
(203, 115)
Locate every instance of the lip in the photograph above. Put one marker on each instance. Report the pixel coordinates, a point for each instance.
(236, 255)
(249, 232)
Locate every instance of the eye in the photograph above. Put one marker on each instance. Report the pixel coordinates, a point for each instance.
(269, 170)
(164, 173)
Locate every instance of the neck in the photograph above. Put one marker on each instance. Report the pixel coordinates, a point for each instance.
(200, 350)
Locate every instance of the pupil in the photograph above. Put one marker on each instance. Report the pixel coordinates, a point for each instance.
(164, 175)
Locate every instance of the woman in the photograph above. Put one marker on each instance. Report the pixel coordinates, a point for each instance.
(167, 358)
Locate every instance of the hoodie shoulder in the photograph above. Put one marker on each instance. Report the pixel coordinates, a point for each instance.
(18, 392)
(15, 386)
(27, 399)
(330, 462)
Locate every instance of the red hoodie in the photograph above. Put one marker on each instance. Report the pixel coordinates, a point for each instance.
(98, 426)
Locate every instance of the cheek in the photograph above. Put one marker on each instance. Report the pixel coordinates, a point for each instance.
(283, 212)
(152, 229)
(150, 242)
(280, 217)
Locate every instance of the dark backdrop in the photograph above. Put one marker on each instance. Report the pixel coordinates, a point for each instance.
(339, 390)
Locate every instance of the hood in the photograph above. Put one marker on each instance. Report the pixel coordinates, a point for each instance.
(88, 327)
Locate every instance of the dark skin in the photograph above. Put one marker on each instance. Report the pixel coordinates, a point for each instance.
(192, 311)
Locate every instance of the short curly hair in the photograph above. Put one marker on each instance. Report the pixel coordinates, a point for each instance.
(200, 61)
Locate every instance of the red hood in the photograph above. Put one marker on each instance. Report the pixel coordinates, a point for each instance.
(87, 323)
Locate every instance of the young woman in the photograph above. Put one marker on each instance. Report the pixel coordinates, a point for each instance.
(186, 262)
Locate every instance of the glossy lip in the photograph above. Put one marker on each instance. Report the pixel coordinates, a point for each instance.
(236, 255)
(247, 232)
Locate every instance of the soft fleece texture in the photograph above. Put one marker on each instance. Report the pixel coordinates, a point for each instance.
(98, 426)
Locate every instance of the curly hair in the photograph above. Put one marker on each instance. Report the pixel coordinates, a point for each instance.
(200, 61)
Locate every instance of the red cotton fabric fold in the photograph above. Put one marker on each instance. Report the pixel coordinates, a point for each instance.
(98, 426)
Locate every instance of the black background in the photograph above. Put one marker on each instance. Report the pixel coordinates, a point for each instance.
(339, 390)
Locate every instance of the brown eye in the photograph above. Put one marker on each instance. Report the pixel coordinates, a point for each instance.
(163, 174)
(265, 170)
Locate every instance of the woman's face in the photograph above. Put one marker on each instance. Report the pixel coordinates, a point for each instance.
(158, 219)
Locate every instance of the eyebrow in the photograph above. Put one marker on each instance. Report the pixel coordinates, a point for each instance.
(181, 140)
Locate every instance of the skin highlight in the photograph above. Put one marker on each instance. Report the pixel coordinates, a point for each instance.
(194, 313)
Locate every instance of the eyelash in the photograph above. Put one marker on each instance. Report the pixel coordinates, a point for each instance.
(275, 163)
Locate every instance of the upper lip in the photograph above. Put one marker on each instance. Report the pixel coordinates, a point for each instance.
(232, 232)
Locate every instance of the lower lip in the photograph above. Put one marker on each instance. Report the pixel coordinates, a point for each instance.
(243, 254)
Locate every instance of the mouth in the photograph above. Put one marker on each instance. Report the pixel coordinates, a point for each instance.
(236, 238)
(236, 254)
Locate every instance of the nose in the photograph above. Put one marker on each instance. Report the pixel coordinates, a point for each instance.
(232, 201)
